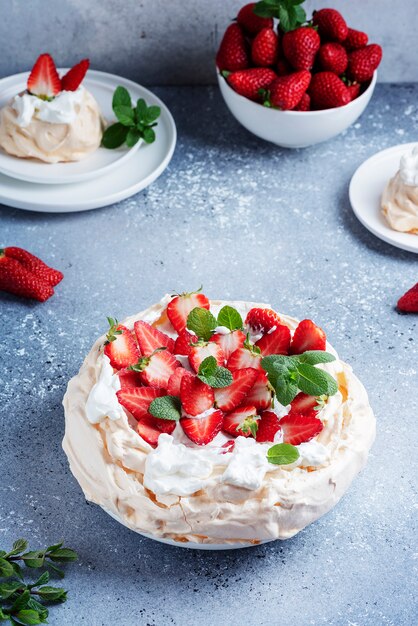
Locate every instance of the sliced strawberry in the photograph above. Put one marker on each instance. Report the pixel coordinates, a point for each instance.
(308, 336)
(244, 357)
(268, 426)
(164, 426)
(262, 320)
(303, 403)
(202, 430)
(275, 342)
(173, 388)
(120, 346)
(128, 379)
(242, 421)
(157, 368)
(43, 80)
(150, 338)
(229, 342)
(228, 446)
(300, 428)
(150, 428)
(179, 307)
(202, 351)
(260, 393)
(196, 397)
(228, 398)
(74, 77)
(183, 341)
(137, 399)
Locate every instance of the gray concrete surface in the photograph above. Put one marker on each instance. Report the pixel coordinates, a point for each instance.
(160, 42)
(248, 220)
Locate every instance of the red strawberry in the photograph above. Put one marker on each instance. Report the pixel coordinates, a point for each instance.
(229, 342)
(43, 80)
(174, 383)
(244, 357)
(260, 393)
(299, 428)
(304, 104)
(327, 91)
(308, 336)
(286, 92)
(249, 82)
(137, 399)
(300, 47)
(267, 427)
(202, 430)
(227, 398)
(242, 421)
(156, 369)
(120, 345)
(275, 342)
(333, 57)
(16, 279)
(355, 39)
(147, 428)
(232, 54)
(283, 67)
(354, 90)
(196, 397)
(228, 446)
(33, 264)
(183, 341)
(265, 48)
(331, 24)
(409, 301)
(164, 426)
(303, 403)
(74, 77)
(128, 379)
(363, 63)
(252, 23)
(262, 320)
(150, 338)
(179, 307)
(202, 351)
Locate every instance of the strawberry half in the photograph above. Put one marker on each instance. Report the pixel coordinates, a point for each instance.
(303, 403)
(202, 430)
(74, 77)
(174, 383)
(43, 80)
(242, 421)
(275, 342)
(203, 351)
(147, 428)
(137, 399)
(260, 394)
(120, 346)
(262, 320)
(179, 307)
(150, 338)
(183, 341)
(244, 357)
(308, 336)
(228, 398)
(128, 379)
(196, 397)
(268, 426)
(409, 301)
(229, 342)
(156, 369)
(299, 428)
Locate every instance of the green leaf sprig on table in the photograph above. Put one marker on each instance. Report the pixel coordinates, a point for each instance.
(22, 602)
(134, 122)
(290, 13)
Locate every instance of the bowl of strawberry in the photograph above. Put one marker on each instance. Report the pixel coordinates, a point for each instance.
(292, 81)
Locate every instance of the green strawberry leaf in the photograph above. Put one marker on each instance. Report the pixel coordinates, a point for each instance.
(230, 318)
(166, 408)
(201, 322)
(282, 454)
(114, 136)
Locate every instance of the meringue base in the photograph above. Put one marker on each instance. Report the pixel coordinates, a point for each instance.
(400, 205)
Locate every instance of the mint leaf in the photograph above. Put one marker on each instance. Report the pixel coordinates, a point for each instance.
(201, 322)
(19, 546)
(63, 555)
(6, 569)
(313, 357)
(166, 408)
(8, 588)
(132, 137)
(208, 366)
(283, 377)
(52, 594)
(214, 375)
(268, 363)
(282, 454)
(230, 318)
(121, 97)
(42, 580)
(316, 382)
(151, 114)
(125, 114)
(29, 617)
(149, 135)
(114, 136)
(141, 109)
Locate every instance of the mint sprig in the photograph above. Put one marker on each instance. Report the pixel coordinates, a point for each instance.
(214, 375)
(282, 454)
(166, 408)
(230, 318)
(201, 322)
(289, 12)
(134, 122)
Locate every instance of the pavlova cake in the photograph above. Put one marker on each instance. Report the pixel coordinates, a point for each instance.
(209, 422)
(55, 119)
(400, 197)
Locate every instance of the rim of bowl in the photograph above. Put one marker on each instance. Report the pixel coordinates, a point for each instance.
(316, 113)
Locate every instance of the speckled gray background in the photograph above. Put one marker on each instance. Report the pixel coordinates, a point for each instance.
(248, 220)
(159, 42)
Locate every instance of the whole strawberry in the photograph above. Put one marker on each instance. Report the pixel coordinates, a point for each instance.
(300, 47)
(331, 25)
(232, 54)
(265, 48)
(363, 63)
(333, 57)
(409, 301)
(249, 82)
(304, 104)
(250, 22)
(355, 40)
(283, 67)
(286, 92)
(354, 90)
(34, 264)
(17, 279)
(328, 91)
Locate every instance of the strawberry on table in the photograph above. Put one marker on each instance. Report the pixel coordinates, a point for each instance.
(363, 63)
(265, 48)
(202, 351)
(276, 341)
(298, 429)
(183, 341)
(408, 303)
(148, 429)
(331, 25)
(75, 76)
(355, 40)
(228, 398)
(333, 57)
(174, 383)
(268, 426)
(180, 306)
(286, 92)
(156, 369)
(150, 338)
(120, 346)
(308, 336)
(137, 399)
(232, 54)
(260, 394)
(202, 430)
(300, 47)
(196, 397)
(262, 320)
(43, 80)
(17, 279)
(229, 342)
(328, 91)
(242, 421)
(250, 22)
(33, 264)
(248, 83)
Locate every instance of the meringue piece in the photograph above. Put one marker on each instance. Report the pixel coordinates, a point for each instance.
(400, 197)
(102, 401)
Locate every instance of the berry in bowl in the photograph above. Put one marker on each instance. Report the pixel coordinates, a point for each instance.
(291, 81)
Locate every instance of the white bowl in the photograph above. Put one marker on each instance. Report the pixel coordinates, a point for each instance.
(293, 129)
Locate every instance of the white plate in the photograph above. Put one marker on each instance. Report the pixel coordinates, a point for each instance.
(133, 175)
(102, 161)
(366, 190)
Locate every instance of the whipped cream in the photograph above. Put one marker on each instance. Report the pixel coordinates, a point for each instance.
(248, 464)
(61, 110)
(102, 401)
(409, 167)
